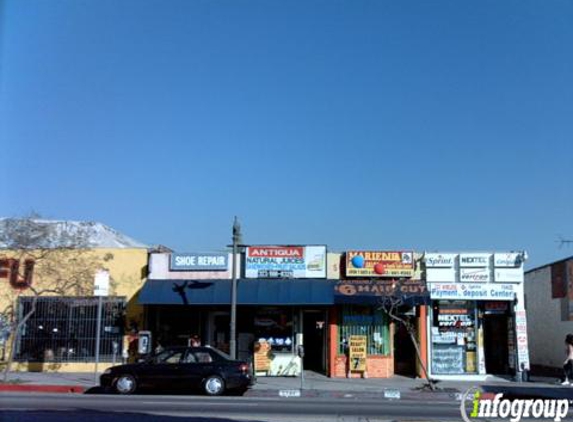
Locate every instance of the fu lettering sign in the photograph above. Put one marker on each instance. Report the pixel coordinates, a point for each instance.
(357, 353)
(19, 274)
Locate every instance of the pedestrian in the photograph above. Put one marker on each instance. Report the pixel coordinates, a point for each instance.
(195, 341)
(159, 347)
(568, 364)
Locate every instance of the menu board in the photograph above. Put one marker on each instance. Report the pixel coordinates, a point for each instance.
(262, 356)
(447, 359)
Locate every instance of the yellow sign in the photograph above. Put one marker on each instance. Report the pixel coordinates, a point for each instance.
(357, 353)
(262, 356)
(471, 362)
(380, 264)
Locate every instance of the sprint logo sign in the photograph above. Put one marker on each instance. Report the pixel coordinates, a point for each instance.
(485, 406)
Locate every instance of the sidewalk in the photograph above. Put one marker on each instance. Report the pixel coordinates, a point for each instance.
(314, 385)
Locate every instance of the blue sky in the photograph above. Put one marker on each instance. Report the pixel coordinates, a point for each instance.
(441, 125)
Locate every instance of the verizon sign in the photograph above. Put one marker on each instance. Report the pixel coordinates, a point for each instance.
(475, 275)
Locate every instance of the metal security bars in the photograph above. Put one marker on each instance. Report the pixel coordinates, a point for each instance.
(365, 321)
(63, 329)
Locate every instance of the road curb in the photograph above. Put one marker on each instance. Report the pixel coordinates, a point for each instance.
(34, 388)
(354, 395)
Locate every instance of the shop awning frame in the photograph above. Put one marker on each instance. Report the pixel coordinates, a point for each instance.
(249, 292)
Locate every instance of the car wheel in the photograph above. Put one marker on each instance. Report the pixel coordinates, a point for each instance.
(214, 385)
(125, 384)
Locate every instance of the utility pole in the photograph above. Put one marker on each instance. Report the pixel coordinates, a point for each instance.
(237, 240)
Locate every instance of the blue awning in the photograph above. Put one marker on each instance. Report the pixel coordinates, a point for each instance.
(249, 292)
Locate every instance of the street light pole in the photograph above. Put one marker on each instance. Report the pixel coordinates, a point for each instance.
(233, 330)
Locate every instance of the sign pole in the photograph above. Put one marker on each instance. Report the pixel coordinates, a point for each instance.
(101, 288)
(98, 330)
(233, 328)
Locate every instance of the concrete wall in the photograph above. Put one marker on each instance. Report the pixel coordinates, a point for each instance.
(546, 331)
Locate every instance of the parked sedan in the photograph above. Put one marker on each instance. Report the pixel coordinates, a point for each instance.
(183, 369)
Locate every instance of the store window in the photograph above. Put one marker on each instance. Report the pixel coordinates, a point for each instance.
(365, 321)
(63, 329)
(454, 333)
(275, 327)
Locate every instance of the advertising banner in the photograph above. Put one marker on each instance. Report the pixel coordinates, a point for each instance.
(440, 260)
(508, 259)
(476, 291)
(474, 260)
(379, 264)
(371, 291)
(285, 262)
(509, 275)
(475, 275)
(357, 353)
(198, 262)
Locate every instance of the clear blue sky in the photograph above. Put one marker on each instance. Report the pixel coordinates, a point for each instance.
(441, 125)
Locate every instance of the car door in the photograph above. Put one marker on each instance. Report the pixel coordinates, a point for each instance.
(205, 365)
(162, 372)
(190, 371)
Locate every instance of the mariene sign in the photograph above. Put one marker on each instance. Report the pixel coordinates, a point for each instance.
(380, 264)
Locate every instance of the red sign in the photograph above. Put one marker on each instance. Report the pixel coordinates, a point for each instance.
(17, 277)
(496, 306)
(276, 252)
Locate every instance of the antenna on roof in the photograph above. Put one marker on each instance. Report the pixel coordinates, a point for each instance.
(562, 241)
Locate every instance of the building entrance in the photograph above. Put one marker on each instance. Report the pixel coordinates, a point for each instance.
(218, 330)
(496, 338)
(404, 350)
(314, 331)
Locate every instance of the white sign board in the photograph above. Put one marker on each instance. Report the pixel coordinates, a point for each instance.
(509, 275)
(440, 260)
(285, 262)
(472, 291)
(441, 275)
(475, 275)
(508, 260)
(522, 341)
(474, 260)
(101, 283)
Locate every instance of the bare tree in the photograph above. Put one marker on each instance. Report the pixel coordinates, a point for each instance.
(392, 305)
(39, 258)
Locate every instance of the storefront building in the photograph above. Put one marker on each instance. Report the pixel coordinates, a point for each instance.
(477, 324)
(283, 299)
(60, 335)
(292, 296)
(366, 340)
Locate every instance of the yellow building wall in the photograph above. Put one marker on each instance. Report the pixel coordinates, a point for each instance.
(128, 271)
